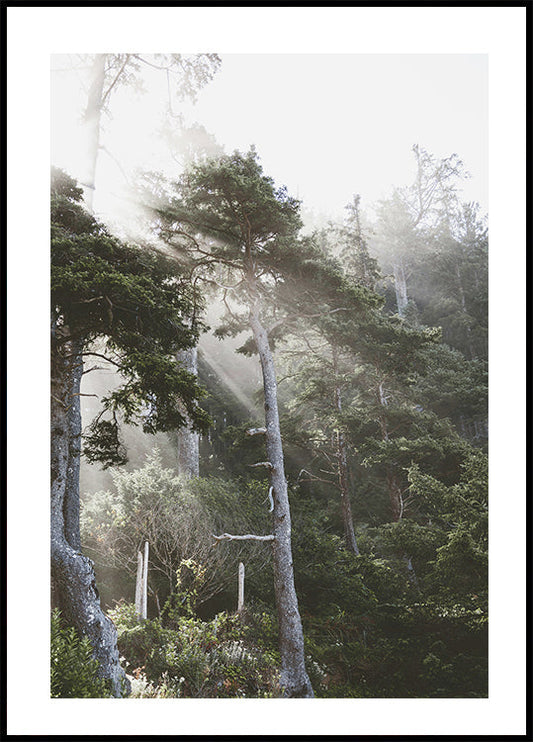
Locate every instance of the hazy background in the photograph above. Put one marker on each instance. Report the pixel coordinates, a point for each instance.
(325, 125)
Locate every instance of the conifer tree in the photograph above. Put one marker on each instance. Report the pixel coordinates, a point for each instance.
(129, 307)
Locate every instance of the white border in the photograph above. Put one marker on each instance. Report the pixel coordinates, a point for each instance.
(36, 32)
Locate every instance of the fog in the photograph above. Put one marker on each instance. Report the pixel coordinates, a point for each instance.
(326, 125)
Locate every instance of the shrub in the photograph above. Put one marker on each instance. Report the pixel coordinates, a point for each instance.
(194, 658)
(73, 669)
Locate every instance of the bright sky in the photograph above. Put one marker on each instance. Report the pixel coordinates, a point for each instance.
(325, 125)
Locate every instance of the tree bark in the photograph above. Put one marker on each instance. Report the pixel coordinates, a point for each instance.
(294, 679)
(73, 576)
(71, 505)
(188, 440)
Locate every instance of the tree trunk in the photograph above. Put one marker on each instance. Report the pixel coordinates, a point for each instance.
(144, 593)
(400, 286)
(294, 679)
(342, 472)
(188, 440)
(71, 505)
(349, 533)
(91, 120)
(139, 585)
(73, 576)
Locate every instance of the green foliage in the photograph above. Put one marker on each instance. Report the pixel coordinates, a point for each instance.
(73, 669)
(407, 617)
(327, 574)
(178, 518)
(138, 306)
(194, 658)
(190, 577)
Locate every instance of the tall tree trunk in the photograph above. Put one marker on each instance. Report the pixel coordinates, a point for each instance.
(72, 573)
(400, 286)
(294, 678)
(91, 120)
(342, 470)
(188, 439)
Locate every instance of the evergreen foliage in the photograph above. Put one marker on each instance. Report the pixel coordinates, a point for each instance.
(400, 394)
(130, 305)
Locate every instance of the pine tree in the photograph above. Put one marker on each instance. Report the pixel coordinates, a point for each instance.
(249, 231)
(128, 306)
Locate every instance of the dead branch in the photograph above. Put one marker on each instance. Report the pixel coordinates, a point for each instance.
(246, 537)
(256, 431)
(266, 464)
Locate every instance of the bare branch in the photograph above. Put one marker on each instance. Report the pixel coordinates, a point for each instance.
(266, 464)
(256, 431)
(314, 478)
(115, 80)
(246, 537)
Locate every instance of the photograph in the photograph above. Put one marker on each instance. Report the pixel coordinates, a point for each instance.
(263, 319)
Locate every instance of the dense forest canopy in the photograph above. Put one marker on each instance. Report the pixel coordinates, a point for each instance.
(330, 445)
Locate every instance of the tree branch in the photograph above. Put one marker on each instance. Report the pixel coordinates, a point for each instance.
(99, 355)
(246, 537)
(110, 88)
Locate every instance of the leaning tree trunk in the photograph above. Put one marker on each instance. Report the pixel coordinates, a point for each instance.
(188, 439)
(294, 679)
(73, 576)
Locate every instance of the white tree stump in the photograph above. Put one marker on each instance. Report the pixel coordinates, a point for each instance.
(144, 599)
(138, 585)
(240, 601)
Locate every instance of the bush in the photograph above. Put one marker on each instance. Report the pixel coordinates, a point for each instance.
(178, 518)
(194, 658)
(73, 669)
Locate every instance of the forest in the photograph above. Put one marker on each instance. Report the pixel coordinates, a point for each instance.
(269, 427)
